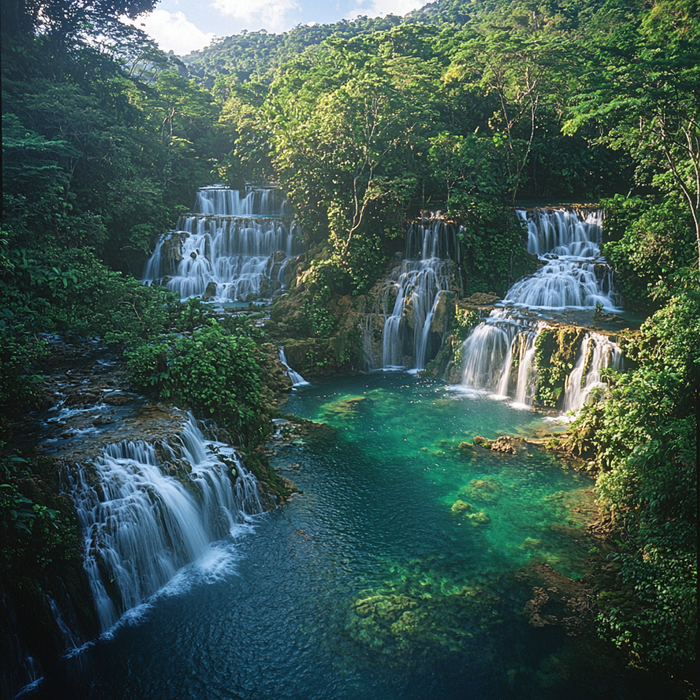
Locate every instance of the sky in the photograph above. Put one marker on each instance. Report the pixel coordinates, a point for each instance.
(189, 25)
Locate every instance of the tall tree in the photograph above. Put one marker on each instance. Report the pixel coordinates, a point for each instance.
(643, 93)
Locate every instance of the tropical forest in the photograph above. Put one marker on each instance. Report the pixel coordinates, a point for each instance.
(357, 360)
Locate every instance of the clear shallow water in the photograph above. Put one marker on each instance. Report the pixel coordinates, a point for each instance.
(368, 585)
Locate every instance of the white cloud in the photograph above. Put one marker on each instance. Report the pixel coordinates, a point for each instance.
(375, 8)
(271, 14)
(173, 31)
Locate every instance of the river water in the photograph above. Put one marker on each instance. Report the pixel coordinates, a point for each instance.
(369, 584)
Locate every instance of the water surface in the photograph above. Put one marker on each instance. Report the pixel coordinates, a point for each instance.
(372, 583)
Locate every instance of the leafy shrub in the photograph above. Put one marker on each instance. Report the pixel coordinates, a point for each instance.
(214, 371)
(647, 244)
(643, 442)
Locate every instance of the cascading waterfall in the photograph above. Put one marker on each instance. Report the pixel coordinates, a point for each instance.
(500, 352)
(295, 377)
(574, 275)
(419, 281)
(146, 510)
(236, 248)
(597, 352)
(505, 341)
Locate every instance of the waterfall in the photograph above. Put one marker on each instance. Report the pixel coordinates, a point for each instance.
(597, 352)
(295, 377)
(503, 343)
(148, 509)
(236, 248)
(574, 275)
(499, 354)
(418, 283)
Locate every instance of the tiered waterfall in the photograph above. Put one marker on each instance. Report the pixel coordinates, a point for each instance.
(236, 247)
(499, 355)
(416, 286)
(148, 509)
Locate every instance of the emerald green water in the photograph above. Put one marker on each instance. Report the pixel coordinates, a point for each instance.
(372, 583)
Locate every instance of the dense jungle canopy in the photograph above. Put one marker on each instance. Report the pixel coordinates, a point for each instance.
(463, 106)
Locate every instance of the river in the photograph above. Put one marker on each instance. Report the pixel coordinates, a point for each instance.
(374, 582)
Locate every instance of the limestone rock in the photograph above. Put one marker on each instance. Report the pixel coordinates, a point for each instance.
(504, 444)
(478, 518)
(209, 292)
(460, 507)
(482, 442)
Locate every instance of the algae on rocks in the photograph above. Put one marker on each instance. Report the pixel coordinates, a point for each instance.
(556, 352)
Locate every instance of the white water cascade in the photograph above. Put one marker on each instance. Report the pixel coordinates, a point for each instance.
(503, 343)
(235, 248)
(597, 352)
(499, 354)
(574, 275)
(419, 281)
(294, 377)
(146, 510)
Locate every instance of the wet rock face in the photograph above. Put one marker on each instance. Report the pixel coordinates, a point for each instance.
(481, 299)
(209, 292)
(557, 349)
(172, 248)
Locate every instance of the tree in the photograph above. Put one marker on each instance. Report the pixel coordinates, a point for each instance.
(68, 22)
(643, 93)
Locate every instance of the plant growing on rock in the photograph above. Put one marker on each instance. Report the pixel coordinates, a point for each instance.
(214, 371)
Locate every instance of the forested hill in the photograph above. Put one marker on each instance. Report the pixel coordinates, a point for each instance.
(257, 54)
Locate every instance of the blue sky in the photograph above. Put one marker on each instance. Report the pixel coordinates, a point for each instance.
(188, 25)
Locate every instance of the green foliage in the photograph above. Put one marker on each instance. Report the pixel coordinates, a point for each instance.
(643, 442)
(212, 370)
(71, 292)
(254, 55)
(647, 243)
(37, 531)
(644, 99)
(19, 382)
(491, 240)
(555, 356)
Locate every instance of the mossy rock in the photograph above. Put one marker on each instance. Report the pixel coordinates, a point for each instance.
(460, 507)
(483, 490)
(209, 292)
(465, 448)
(478, 518)
(482, 442)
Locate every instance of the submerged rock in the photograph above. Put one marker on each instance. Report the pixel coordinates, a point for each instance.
(465, 448)
(460, 507)
(478, 518)
(484, 490)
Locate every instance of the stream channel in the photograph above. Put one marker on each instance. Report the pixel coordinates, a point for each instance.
(374, 582)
